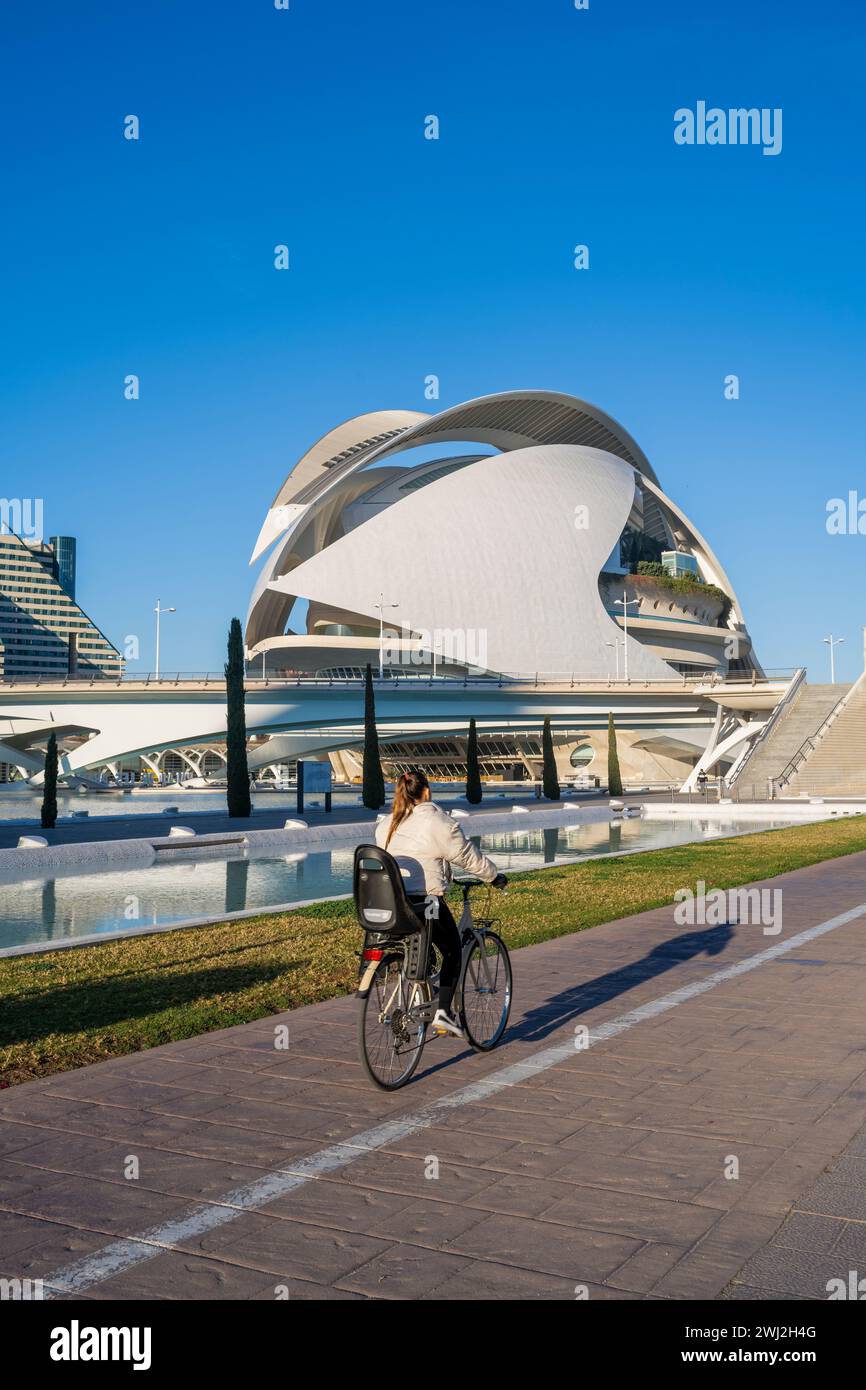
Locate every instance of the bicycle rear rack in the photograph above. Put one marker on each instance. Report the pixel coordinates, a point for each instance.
(417, 953)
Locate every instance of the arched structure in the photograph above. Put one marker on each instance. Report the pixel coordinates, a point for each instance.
(522, 544)
(506, 531)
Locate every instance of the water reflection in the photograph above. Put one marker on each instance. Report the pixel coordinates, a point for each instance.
(237, 875)
(173, 891)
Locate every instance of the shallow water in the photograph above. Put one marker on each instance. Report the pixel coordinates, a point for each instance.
(82, 904)
(21, 803)
(25, 804)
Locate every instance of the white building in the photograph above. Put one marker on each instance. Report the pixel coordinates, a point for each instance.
(512, 558)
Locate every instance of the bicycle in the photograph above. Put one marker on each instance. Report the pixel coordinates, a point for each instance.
(398, 974)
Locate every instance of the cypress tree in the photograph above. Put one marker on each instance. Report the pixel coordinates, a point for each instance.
(373, 782)
(473, 773)
(550, 781)
(49, 796)
(614, 781)
(237, 772)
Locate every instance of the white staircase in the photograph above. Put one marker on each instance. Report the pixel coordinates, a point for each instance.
(809, 707)
(833, 761)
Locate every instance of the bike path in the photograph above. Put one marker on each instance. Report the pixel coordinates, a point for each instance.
(723, 1085)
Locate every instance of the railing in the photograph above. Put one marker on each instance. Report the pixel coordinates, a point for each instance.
(810, 743)
(710, 677)
(778, 714)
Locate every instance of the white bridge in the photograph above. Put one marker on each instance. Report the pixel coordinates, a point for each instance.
(101, 722)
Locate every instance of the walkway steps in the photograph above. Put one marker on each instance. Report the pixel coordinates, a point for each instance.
(809, 709)
(836, 766)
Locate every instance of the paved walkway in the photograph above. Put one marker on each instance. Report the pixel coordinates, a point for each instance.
(265, 1173)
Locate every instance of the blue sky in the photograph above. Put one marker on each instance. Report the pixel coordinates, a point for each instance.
(412, 257)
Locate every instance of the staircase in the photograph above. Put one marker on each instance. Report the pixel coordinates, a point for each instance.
(835, 764)
(809, 709)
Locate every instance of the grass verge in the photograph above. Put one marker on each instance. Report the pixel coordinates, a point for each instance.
(69, 1008)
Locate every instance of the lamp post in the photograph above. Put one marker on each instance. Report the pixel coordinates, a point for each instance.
(159, 611)
(832, 643)
(382, 605)
(623, 603)
(615, 646)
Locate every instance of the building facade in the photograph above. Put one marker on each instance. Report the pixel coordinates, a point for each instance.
(65, 548)
(511, 560)
(552, 549)
(44, 634)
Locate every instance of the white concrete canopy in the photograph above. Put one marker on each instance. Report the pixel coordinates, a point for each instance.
(508, 551)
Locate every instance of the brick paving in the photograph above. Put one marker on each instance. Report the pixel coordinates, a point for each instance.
(607, 1171)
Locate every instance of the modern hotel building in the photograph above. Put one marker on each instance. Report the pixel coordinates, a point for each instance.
(44, 634)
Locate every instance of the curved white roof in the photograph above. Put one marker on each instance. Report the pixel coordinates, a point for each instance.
(337, 513)
(507, 563)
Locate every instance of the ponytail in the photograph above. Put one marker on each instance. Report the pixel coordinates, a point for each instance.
(408, 792)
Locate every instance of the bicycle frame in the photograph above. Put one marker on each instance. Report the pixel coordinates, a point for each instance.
(470, 936)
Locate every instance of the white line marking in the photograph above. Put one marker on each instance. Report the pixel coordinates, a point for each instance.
(124, 1254)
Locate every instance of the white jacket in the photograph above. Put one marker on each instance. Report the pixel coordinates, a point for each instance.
(425, 846)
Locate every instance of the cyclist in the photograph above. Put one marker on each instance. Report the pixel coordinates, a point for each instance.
(425, 841)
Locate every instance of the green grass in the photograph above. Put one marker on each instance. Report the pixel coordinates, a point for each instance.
(68, 1008)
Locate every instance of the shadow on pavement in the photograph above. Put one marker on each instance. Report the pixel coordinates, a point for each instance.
(537, 1024)
(570, 1003)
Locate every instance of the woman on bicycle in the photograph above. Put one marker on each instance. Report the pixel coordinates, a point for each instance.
(425, 841)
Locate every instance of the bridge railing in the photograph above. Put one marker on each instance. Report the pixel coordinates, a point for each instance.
(414, 679)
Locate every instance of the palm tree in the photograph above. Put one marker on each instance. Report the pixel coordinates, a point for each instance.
(237, 772)
(373, 782)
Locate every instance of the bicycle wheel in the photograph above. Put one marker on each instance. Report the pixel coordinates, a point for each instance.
(390, 1032)
(485, 995)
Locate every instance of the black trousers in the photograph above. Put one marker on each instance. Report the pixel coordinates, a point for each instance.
(446, 939)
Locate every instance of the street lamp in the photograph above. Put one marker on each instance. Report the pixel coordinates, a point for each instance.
(433, 653)
(382, 605)
(623, 603)
(833, 642)
(159, 611)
